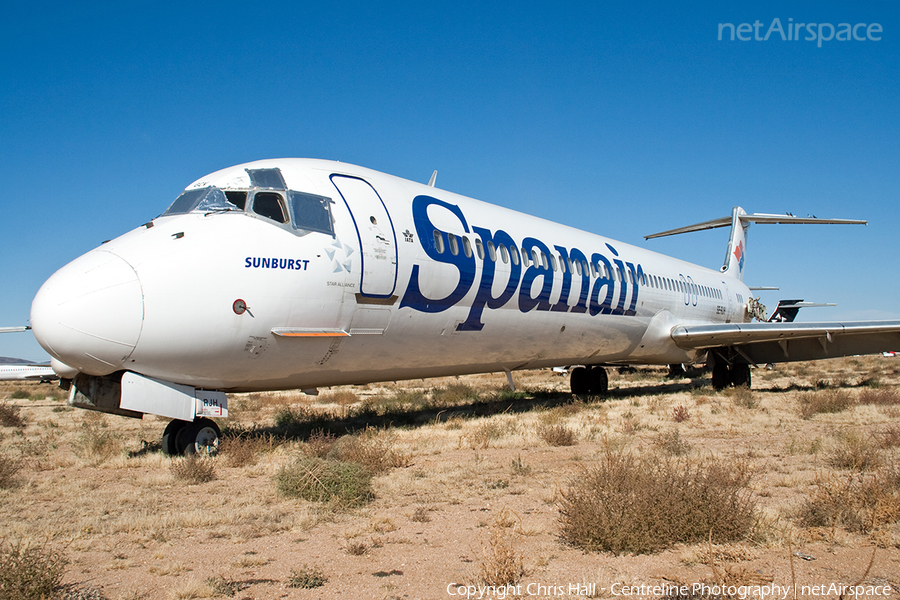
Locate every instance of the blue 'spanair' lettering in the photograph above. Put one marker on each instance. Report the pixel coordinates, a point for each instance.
(484, 297)
(465, 264)
(533, 282)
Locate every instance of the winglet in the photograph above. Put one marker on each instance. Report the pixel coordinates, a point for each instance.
(433, 179)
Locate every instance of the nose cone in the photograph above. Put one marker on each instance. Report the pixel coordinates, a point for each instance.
(89, 314)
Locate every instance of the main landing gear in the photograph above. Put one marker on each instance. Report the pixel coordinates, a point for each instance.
(724, 375)
(589, 380)
(184, 437)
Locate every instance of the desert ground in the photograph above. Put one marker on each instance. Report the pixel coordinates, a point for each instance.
(468, 490)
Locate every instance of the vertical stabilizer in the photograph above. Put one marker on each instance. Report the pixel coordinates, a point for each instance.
(737, 245)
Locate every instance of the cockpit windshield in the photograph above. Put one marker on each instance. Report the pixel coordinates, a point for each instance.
(298, 211)
(208, 199)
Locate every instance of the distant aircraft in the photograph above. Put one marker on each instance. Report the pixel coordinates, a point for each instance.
(297, 274)
(19, 370)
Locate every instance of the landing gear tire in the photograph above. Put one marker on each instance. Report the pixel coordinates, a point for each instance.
(740, 375)
(598, 381)
(721, 376)
(170, 437)
(580, 381)
(200, 437)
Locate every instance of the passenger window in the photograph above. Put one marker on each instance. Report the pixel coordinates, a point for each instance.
(553, 262)
(454, 247)
(479, 248)
(269, 205)
(504, 254)
(535, 257)
(438, 242)
(562, 263)
(467, 247)
(514, 254)
(492, 252)
(310, 212)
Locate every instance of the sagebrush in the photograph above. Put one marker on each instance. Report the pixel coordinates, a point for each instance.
(641, 505)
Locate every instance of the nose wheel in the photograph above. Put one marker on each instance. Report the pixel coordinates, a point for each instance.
(184, 437)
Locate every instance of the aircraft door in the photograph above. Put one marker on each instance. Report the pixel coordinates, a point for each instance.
(375, 230)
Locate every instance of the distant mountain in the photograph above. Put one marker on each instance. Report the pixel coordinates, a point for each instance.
(14, 361)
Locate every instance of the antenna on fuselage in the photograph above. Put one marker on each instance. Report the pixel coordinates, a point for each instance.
(433, 178)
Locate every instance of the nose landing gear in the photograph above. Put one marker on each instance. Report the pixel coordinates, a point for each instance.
(184, 437)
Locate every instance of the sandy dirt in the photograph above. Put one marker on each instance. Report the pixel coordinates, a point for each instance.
(131, 530)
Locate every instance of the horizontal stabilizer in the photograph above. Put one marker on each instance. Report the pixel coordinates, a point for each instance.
(757, 218)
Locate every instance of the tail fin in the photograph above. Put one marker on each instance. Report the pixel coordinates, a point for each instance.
(740, 222)
(737, 245)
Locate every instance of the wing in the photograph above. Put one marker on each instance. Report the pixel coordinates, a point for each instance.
(763, 343)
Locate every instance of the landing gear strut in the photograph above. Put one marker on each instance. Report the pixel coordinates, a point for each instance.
(184, 437)
(589, 380)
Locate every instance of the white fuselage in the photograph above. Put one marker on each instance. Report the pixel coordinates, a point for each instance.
(20, 372)
(411, 282)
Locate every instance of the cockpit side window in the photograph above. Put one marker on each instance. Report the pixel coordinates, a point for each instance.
(310, 212)
(239, 199)
(269, 205)
(208, 199)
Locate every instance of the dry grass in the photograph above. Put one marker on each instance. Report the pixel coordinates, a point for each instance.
(307, 577)
(821, 441)
(879, 396)
(638, 505)
(825, 401)
(9, 471)
(29, 571)
(193, 470)
(342, 484)
(858, 502)
(9, 415)
(557, 435)
(500, 564)
(373, 449)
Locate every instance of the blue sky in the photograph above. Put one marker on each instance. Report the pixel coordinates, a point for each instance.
(620, 119)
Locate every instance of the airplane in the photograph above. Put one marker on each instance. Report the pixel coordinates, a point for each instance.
(16, 369)
(304, 273)
(23, 370)
(786, 310)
